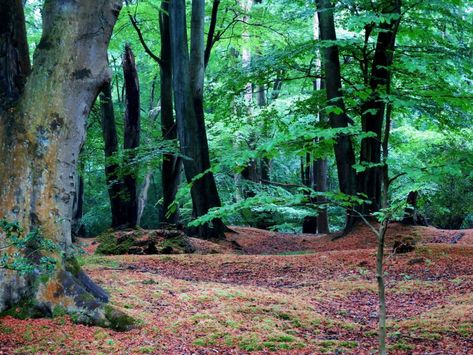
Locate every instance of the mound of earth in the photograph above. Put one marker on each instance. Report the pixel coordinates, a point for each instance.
(253, 241)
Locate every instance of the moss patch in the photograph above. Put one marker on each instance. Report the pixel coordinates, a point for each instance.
(110, 245)
(24, 310)
(118, 320)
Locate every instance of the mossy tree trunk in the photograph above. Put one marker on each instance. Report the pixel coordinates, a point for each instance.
(41, 134)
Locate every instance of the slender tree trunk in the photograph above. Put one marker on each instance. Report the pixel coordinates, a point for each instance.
(309, 224)
(344, 152)
(112, 165)
(172, 165)
(370, 180)
(143, 196)
(320, 166)
(188, 80)
(250, 171)
(131, 137)
(41, 140)
(381, 287)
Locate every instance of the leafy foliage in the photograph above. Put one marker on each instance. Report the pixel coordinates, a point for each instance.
(26, 253)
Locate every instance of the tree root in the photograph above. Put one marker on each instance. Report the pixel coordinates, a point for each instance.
(68, 291)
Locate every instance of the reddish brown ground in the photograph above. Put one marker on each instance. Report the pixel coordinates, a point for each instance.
(311, 295)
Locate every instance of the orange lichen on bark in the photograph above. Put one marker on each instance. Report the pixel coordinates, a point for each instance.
(53, 292)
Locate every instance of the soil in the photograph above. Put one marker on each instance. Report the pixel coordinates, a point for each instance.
(261, 292)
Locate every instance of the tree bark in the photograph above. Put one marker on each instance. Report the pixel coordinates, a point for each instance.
(172, 164)
(344, 152)
(309, 224)
(78, 208)
(131, 138)
(188, 80)
(14, 55)
(320, 166)
(373, 112)
(41, 140)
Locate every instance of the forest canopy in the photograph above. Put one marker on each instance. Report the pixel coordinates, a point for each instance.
(263, 114)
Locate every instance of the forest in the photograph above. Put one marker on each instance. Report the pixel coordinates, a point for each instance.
(236, 176)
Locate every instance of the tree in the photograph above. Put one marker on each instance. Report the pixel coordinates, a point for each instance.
(42, 128)
(131, 137)
(188, 80)
(122, 177)
(172, 164)
(374, 109)
(112, 165)
(338, 118)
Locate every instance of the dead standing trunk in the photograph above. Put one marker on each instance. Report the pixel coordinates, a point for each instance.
(41, 138)
(112, 166)
(188, 80)
(131, 138)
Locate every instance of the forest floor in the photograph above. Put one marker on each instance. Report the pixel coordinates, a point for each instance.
(302, 294)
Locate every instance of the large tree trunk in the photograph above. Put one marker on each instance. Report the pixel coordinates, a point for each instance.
(131, 138)
(188, 79)
(373, 112)
(112, 166)
(172, 165)
(344, 153)
(41, 139)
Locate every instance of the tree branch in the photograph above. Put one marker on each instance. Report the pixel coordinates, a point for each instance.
(211, 38)
(140, 36)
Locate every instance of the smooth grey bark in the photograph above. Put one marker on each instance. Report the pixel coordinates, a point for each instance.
(41, 140)
(188, 81)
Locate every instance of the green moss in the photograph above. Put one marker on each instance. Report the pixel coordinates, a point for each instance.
(109, 245)
(348, 344)
(72, 265)
(5, 330)
(59, 311)
(402, 345)
(26, 309)
(118, 320)
(175, 245)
